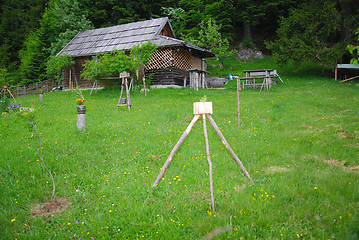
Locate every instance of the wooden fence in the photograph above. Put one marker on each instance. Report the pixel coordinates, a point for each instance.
(32, 89)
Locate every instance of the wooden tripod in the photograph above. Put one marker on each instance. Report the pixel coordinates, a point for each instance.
(204, 110)
(4, 89)
(124, 84)
(95, 85)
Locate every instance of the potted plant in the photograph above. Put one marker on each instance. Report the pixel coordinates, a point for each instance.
(81, 111)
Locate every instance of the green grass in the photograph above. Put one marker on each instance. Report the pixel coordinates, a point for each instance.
(291, 140)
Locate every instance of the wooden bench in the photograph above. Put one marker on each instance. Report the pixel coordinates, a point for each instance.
(268, 77)
(253, 75)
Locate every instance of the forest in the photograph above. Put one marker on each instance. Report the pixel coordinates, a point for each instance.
(33, 31)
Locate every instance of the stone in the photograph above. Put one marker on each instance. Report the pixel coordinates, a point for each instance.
(216, 82)
(247, 53)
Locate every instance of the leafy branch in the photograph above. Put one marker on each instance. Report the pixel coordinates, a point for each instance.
(115, 62)
(211, 39)
(354, 50)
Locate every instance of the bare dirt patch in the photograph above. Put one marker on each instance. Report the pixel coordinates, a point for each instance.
(50, 208)
(341, 133)
(276, 169)
(310, 129)
(341, 165)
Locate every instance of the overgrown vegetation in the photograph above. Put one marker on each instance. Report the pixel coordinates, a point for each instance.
(3, 77)
(354, 50)
(305, 35)
(299, 142)
(55, 65)
(210, 38)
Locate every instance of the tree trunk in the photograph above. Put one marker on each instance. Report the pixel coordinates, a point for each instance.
(247, 34)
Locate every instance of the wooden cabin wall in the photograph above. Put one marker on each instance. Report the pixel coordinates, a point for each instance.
(169, 66)
(168, 76)
(76, 74)
(167, 31)
(197, 63)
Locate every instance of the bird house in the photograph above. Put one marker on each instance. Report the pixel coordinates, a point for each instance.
(202, 108)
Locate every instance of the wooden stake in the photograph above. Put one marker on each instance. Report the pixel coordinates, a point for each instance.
(336, 70)
(349, 79)
(175, 149)
(209, 160)
(6, 89)
(224, 141)
(77, 84)
(128, 96)
(70, 79)
(144, 85)
(238, 87)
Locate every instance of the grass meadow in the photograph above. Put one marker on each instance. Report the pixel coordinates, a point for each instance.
(299, 142)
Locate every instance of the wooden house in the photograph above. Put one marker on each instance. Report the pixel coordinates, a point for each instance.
(170, 65)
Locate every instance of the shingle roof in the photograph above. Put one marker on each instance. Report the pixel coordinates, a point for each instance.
(124, 37)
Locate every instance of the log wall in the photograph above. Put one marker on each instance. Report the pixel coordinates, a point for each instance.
(167, 76)
(76, 75)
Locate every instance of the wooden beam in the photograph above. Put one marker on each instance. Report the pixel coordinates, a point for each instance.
(209, 161)
(348, 79)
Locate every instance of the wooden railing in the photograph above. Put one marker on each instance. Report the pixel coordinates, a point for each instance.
(32, 89)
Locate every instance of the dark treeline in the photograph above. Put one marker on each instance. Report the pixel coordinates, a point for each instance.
(32, 31)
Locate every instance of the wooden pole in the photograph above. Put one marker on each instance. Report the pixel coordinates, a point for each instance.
(209, 160)
(119, 101)
(70, 83)
(9, 93)
(175, 149)
(77, 84)
(144, 85)
(131, 84)
(128, 95)
(93, 87)
(269, 80)
(336, 71)
(224, 141)
(191, 85)
(238, 87)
